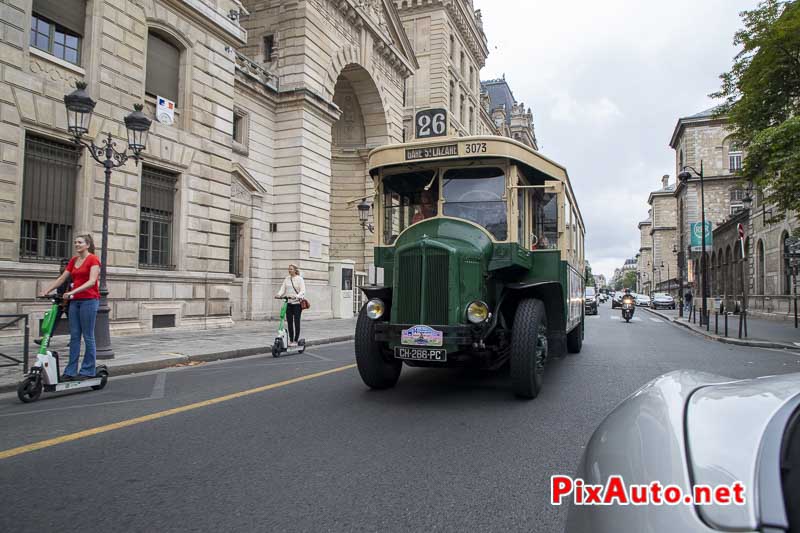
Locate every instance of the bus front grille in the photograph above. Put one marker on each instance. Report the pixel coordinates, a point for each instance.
(422, 296)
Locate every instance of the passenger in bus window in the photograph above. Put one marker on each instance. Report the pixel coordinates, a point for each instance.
(426, 207)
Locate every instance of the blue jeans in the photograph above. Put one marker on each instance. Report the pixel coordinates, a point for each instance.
(82, 316)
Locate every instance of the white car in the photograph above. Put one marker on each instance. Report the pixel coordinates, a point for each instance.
(643, 300)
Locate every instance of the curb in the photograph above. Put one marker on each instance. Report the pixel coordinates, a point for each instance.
(726, 340)
(167, 362)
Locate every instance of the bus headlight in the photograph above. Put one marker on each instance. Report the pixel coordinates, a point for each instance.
(375, 308)
(477, 312)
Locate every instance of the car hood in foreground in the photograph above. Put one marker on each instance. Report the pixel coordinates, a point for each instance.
(727, 431)
(644, 440)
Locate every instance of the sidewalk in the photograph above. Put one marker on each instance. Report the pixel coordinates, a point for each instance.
(761, 332)
(164, 348)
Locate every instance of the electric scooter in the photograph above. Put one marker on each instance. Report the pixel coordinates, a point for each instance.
(45, 372)
(281, 344)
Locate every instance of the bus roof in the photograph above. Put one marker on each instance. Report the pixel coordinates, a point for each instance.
(446, 149)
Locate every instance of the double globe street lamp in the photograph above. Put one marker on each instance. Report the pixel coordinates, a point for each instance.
(80, 107)
(685, 176)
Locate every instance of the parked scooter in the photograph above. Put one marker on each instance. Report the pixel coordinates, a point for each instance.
(45, 372)
(628, 307)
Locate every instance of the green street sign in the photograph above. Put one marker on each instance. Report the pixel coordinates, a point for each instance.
(697, 236)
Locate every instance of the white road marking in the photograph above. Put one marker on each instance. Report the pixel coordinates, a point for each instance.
(656, 319)
(159, 387)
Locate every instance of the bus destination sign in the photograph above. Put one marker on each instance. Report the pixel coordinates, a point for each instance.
(431, 151)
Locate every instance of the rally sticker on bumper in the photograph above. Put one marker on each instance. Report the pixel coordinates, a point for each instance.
(421, 336)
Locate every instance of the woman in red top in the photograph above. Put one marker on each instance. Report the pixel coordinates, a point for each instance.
(84, 269)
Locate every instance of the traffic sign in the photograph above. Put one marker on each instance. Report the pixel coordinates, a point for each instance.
(696, 229)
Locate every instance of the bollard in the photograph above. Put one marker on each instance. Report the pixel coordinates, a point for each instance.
(726, 324)
(716, 322)
(708, 320)
(740, 324)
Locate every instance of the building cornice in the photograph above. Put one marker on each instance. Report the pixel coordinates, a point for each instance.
(685, 122)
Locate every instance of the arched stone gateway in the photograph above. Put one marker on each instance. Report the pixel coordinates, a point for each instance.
(362, 126)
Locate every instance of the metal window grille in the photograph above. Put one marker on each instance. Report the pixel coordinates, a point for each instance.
(155, 227)
(48, 199)
(235, 250)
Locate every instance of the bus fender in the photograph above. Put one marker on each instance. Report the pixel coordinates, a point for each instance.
(552, 295)
(376, 291)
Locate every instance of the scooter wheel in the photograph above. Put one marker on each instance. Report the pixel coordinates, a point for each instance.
(29, 389)
(276, 349)
(103, 374)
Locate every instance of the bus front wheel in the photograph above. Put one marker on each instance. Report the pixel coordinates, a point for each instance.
(528, 348)
(376, 371)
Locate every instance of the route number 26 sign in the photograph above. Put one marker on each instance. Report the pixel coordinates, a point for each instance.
(431, 123)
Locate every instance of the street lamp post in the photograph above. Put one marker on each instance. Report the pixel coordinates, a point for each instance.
(79, 114)
(685, 176)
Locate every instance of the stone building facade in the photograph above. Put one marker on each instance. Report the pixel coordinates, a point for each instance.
(451, 47)
(276, 105)
(644, 259)
(509, 117)
(705, 138)
(663, 233)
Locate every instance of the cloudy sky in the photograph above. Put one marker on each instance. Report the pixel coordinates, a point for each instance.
(606, 82)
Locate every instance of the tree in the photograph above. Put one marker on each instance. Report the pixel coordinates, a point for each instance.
(589, 275)
(626, 281)
(762, 99)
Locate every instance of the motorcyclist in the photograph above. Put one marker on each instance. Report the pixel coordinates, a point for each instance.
(628, 296)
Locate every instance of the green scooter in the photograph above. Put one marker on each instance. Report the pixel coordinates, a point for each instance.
(45, 372)
(281, 344)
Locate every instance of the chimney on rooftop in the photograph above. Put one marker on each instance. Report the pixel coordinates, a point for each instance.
(664, 181)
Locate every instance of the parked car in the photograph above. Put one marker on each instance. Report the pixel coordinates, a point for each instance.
(590, 301)
(738, 432)
(663, 301)
(642, 300)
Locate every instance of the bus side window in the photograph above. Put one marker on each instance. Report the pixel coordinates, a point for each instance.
(545, 221)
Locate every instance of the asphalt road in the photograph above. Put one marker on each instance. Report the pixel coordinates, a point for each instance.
(444, 450)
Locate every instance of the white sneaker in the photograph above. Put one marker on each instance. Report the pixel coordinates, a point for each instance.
(292, 344)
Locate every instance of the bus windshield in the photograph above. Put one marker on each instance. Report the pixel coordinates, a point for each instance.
(477, 195)
(408, 198)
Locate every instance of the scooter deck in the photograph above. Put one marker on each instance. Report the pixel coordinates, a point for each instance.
(70, 385)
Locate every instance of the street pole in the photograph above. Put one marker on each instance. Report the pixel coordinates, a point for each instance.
(103, 331)
(680, 281)
(704, 265)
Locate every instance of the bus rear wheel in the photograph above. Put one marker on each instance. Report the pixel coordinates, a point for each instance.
(376, 371)
(528, 348)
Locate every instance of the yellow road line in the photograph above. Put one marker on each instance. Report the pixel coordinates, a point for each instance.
(5, 454)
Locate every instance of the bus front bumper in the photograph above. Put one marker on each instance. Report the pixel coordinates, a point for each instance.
(461, 335)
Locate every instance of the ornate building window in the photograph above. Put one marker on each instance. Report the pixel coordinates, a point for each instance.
(737, 196)
(735, 157)
(163, 67)
(235, 255)
(156, 218)
(57, 28)
(269, 48)
(48, 199)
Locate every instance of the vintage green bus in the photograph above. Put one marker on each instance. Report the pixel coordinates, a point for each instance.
(481, 244)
